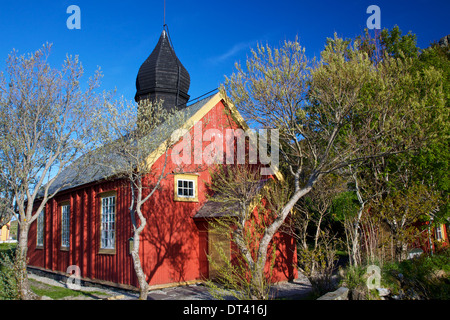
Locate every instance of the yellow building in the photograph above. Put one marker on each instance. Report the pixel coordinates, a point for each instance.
(4, 232)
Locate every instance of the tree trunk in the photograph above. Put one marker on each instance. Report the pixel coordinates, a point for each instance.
(259, 285)
(142, 279)
(356, 243)
(143, 285)
(316, 237)
(355, 248)
(362, 203)
(261, 259)
(21, 263)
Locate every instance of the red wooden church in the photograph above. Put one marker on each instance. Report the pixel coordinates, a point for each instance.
(88, 224)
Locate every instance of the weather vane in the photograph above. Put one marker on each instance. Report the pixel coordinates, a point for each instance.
(164, 17)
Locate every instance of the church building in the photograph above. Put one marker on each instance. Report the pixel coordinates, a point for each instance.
(88, 224)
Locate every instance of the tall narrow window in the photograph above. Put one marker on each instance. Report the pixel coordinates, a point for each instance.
(65, 226)
(108, 222)
(40, 230)
(438, 233)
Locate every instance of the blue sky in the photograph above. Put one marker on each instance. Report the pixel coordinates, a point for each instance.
(208, 36)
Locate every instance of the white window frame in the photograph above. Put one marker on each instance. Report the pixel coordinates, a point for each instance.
(182, 181)
(40, 229)
(439, 233)
(65, 226)
(108, 222)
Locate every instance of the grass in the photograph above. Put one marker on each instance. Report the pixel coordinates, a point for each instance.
(42, 289)
(56, 292)
(5, 247)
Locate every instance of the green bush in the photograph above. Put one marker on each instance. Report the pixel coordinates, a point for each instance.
(425, 277)
(8, 280)
(354, 277)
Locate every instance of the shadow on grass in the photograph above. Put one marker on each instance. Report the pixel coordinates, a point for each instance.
(58, 293)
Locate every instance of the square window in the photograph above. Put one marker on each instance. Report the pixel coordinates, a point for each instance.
(186, 187)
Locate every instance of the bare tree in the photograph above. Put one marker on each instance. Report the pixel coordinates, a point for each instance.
(248, 203)
(317, 241)
(384, 191)
(6, 203)
(134, 138)
(313, 209)
(46, 123)
(401, 209)
(367, 187)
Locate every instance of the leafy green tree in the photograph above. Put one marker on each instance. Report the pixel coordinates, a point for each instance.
(388, 42)
(426, 80)
(430, 69)
(431, 163)
(396, 44)
(401, 210)
(342, 111)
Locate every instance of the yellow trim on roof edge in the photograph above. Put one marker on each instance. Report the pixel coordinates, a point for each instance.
(151, 159)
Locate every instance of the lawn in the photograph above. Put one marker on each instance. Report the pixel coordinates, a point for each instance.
(41, 289)
(5, 247)
(58, 293)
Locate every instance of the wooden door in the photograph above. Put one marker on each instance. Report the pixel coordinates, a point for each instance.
(219, 251)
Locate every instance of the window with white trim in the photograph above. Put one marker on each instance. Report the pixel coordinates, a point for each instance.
(65, 225)
(438, 233)
(40, 230)
(108, 222)
(186, 188)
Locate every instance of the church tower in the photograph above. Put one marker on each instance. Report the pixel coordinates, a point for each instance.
(162, 76)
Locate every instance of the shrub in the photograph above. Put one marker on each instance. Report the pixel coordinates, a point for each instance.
(355, 279)
(318, 266)
(425, 277)
(8, 277)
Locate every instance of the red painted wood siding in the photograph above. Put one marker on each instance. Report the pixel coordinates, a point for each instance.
(173, 245)
(85, 236)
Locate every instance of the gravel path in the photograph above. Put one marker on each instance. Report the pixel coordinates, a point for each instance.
(298, 289)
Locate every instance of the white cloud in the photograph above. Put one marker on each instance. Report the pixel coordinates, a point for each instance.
(232, 51)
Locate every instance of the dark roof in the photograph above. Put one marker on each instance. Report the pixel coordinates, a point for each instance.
(215, 209)
(88, 168)
(162, 74)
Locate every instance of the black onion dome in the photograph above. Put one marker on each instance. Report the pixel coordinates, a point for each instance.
(163, 76)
